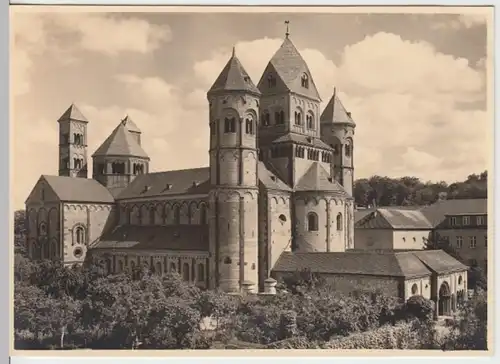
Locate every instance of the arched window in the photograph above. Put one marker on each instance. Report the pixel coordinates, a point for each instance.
(120, 266)
(152, 214)
(132, 265)
(310, 121)
(312, 222)
(414, 289)
(304, 81)
(79, 235)
(42, 194)
(173, 267)
(282, 117)
(249, 126)
(348, 150)
(201, 272)
(177, 215)
(229, 125)
(339, 221)
(203, 215)
(271, 81)
(185, 272)
(298, 118)
(265, 119)
(158, 268)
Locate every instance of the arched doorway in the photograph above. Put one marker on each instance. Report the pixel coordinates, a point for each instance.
(444, 307)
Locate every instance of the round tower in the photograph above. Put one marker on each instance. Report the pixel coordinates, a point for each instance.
(337, 130)
(234, 110)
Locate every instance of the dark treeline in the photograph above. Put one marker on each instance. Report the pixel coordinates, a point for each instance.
(407, 191)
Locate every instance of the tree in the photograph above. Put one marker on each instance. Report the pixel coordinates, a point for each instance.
(470, 329)
(409, 190)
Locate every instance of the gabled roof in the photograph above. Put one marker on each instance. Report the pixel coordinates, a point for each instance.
(436, 212)
(72, 113)
(270, 180)
(120, 143)
(74, 189)
(178, 182)
(303, 140)
(175, 237)
(130, 125)
(234, 78)
(317, 178)
(335, 112)
(289, 66)
(388, 264)
(439, 261)
(393, 218)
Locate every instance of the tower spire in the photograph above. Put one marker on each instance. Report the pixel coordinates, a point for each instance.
(234, 51)
(287, 22)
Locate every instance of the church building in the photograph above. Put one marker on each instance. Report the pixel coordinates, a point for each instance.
(279, 179)
(278, 188)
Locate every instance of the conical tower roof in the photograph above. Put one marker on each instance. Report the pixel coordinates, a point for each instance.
(335, 112)
(234, 78)
(290, 67)
(72, 113)
(120, 143)
(317, 178)
(130, 125)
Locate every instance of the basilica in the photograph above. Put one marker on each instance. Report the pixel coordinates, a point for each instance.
(279, 179)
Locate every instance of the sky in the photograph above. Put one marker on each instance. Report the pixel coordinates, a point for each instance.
(414, 83)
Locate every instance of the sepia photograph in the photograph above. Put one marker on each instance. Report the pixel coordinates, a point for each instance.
(253, 178)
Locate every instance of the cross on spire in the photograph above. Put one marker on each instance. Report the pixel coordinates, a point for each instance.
(287, 22)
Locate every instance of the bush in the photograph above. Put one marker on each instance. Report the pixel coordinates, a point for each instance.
(402, 336)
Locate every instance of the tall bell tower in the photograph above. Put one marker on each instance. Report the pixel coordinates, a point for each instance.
(233, 203)
(337, 130)
(73, 143)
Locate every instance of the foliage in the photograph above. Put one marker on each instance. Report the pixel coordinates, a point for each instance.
(420, 308)
(470, 329)
(385, 191)
(401, 336)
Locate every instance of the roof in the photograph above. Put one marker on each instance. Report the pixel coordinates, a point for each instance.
(234, 78)
(270, 180)
(130, 125)
(335, 112)
(289, 66)
(439, 261)
(317, 178)
(120, 143)
(436, 212)
(178, 237)
(72, 113)
(393, 218)
(74, 189)
(178, 182)
(302, 139)
(388, 264)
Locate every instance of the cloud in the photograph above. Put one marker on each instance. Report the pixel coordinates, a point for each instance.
(65, 35)
(466, 21)
(406, 98)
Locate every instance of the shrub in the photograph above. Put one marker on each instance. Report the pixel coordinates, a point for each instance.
(401, 336)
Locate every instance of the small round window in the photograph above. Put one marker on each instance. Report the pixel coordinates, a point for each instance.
(414, 289)
(282, 218)
(78, 252)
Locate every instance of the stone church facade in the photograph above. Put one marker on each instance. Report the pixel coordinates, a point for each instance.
(277, 191)
(280, 179)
